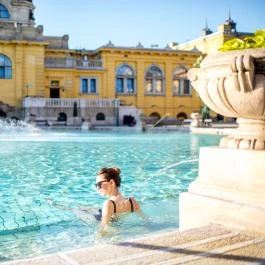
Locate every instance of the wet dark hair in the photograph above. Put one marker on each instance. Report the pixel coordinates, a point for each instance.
(111, 173)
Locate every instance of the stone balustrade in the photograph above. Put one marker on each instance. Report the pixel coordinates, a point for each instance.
(30, 102)
(53, 62)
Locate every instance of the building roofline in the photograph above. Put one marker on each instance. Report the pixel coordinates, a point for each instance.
(142, 50)
(125, 49)
(236, 34)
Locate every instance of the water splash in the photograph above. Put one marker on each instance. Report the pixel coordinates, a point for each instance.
(162, 170)
(11, 126)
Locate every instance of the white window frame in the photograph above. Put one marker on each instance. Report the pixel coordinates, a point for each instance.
(125, 81)
(88, 78)
(181, 81)
(154, 84)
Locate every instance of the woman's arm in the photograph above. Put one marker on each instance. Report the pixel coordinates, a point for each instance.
(107, 212)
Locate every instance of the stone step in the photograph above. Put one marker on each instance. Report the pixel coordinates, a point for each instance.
(211, 244)
(143, 248)
(226, 254)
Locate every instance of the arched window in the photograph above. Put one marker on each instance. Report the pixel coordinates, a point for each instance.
(100, 116)
(182, 116)
(4, 12)
(154, 81)
(155, 115)
(62, 117)
(5, 67)
(181, 84)
(125, 80)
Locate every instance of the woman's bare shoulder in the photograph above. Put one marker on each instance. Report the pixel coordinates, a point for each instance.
(108, 207)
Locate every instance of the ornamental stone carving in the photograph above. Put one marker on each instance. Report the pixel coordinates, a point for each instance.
(233, 84)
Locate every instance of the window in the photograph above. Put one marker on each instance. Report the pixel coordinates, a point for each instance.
(4, 12)
(125, 80)
(84, 85)
(55, 83)
(155, 115)
(93, 87)
(181, 84)
(5, 67)
(182, 116)
(154, 81)
(100, 116)
(88, 85)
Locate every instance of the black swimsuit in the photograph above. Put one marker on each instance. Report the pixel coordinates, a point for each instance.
(98, 216)
(114, 205)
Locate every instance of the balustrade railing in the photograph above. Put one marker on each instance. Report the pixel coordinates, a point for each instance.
(57, 62)
(29, 102)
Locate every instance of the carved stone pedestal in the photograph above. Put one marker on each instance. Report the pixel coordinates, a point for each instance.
(230, 190)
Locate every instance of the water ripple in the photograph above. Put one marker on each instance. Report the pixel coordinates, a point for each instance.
(62, 167)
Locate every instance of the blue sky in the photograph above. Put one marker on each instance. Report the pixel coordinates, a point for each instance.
(92, 23)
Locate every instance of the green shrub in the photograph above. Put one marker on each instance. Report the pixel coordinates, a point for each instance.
(257, 41)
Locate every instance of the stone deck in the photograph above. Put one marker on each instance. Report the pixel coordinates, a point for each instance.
(212, 244)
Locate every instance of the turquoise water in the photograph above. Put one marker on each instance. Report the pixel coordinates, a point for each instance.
(36, 168)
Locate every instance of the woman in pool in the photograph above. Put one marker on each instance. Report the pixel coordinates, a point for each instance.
(108, 181)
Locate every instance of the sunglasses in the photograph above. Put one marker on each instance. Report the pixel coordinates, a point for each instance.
(98, 185)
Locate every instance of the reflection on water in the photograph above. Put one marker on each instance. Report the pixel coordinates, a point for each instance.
(38, 166)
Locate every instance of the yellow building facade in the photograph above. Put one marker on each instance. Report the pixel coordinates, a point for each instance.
(152, 80)
(39, 72)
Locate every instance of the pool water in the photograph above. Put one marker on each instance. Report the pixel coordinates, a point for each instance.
(40, 167)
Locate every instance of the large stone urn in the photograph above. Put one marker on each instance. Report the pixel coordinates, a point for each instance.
(230, 187)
